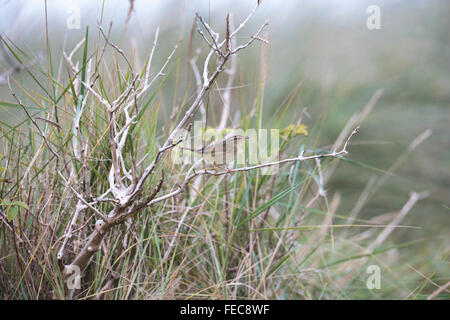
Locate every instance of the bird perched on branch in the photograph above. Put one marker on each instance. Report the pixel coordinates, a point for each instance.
(221, 153)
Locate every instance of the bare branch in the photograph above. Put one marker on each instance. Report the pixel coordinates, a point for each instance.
(198, 81)
(214, 36)
(231, 72)
(253, 38)
(300, 158)
(120, 51)
(149, 63)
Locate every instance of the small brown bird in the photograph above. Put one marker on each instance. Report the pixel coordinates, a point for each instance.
(221, 153)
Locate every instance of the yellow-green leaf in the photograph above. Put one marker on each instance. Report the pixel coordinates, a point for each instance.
(12, 213)
(14, 203)
(21, 204)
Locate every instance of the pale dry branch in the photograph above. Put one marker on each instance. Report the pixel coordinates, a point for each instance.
(300, 158)
(253, 38)
(120, 51)
(125, 196)
(67, 183)
(214, 36)
(231, 43)
(149, 63)
(68, 234)
(198, 81)
(334, 154)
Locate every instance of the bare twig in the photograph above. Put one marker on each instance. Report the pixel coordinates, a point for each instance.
(231, 43)
(300, 158)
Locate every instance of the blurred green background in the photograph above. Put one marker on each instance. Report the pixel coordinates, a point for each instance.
(326, 49)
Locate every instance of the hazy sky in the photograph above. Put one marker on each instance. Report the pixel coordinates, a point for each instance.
(20, 17)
